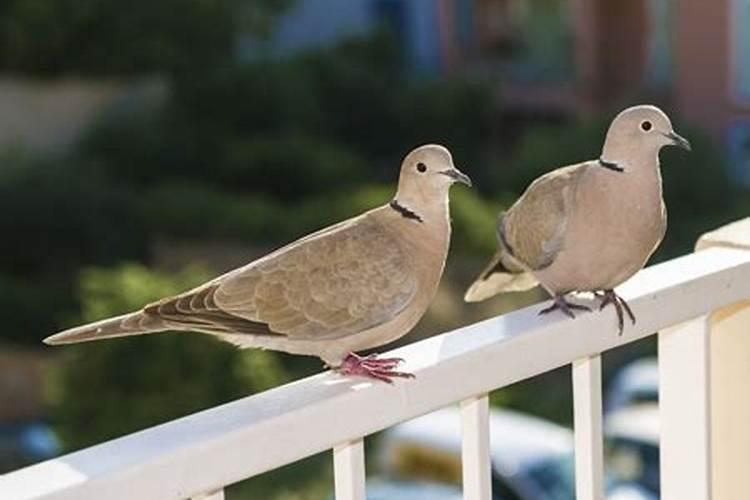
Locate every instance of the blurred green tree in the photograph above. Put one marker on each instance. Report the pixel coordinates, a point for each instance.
(303, 126)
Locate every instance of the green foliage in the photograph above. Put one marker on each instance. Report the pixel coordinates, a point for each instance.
(474, 223)
(549, 396)
(698, 192)
(542, 148)
(55, 210)
(106, 389)
(217, 215)
(31, 305)
(309, 125)
(108, 37)
(55, 221)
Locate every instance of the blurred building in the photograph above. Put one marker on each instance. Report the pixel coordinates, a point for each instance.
(567, 57)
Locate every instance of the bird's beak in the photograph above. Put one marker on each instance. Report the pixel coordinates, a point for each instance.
(457, 176)
(678, 140)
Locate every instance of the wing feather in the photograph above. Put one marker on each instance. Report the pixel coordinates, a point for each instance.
(534, 227)
(326, 286)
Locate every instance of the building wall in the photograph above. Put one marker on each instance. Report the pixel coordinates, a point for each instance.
(623, 38)
(702, 69)
(706, 92)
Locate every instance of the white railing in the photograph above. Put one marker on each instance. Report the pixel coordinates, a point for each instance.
(196, 456)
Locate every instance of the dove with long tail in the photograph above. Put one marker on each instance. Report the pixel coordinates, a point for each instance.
(356, 285)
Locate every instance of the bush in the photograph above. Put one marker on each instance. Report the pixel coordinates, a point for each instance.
(52, 209)
(299, 127)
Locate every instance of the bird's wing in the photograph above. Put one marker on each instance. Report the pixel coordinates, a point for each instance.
(334, 283)
(533, 229)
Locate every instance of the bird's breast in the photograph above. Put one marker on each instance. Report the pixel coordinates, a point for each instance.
(614, 227)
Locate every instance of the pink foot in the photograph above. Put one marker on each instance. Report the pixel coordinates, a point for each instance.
(371, 366)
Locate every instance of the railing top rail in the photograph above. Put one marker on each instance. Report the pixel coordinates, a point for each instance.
(228, 443)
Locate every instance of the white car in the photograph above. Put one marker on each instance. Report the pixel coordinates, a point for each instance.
(636, 383)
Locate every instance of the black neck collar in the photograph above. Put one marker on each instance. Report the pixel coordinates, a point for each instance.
(405, 212)
(610, 165)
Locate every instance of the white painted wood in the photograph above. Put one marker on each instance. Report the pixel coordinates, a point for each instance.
(730, 373)
(244, 438)
(475, 448)
(730, 401)
(587, 416)
(684, 402)
(214, 495)
(349, 470)
(734, 235)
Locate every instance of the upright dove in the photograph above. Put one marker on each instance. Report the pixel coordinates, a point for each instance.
(587, 227)
(355, 285)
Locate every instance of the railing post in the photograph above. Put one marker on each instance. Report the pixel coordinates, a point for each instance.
(475, 448)
(349, 470)
(684, 411)
(730, 375)
(587, 416)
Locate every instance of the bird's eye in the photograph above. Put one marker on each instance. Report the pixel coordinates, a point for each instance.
(421, 167)
(646, 126)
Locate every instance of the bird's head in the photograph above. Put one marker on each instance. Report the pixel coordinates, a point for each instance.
(640, 130)
(427, 173)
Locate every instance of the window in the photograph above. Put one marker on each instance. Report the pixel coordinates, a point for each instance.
(740, 52)
(529, 41)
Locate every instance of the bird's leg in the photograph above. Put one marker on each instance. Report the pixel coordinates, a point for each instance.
(610, 297)
(372, 367)
(559, 302)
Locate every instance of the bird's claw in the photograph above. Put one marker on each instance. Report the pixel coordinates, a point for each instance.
(559, 302)
(620, 305)
(371, 366)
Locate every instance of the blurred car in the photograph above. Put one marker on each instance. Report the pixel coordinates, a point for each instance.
(630, 491)
(531, 458)
(633, 447)
(635, 383)
(26, 442)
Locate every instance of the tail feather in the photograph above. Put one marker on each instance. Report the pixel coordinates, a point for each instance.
(136, 323)
(499, 276)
